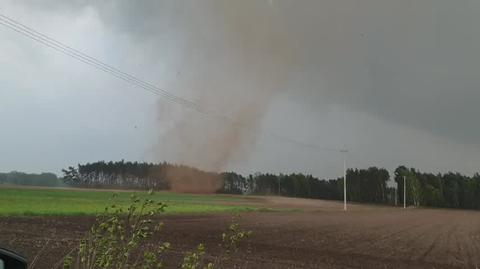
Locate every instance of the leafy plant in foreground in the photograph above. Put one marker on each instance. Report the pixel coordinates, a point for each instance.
(120, 240)
(195, 259)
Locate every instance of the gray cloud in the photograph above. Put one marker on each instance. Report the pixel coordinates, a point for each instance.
(411, 62)
(395, 81)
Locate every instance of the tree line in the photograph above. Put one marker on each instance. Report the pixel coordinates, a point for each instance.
(371, 185)
(132, 175)
(20, 178)
(451, 190)
(364, 185)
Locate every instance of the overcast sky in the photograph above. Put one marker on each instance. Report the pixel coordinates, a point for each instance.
(395, 82)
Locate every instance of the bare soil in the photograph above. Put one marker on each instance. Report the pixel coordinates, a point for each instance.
(321, 235)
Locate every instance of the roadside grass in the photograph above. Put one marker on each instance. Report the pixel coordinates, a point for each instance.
(64, 202)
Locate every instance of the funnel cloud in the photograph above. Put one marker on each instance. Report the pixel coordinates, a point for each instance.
(242, 59)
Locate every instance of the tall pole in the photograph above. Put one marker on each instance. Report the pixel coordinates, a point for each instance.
(396, 195)
(279, 193)
(344, 179)
(404, 192)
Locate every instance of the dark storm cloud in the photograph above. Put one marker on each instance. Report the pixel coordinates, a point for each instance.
(398, 67)
(413, 62)
(410, 62)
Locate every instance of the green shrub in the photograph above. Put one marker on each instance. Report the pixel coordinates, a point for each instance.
(120, 240)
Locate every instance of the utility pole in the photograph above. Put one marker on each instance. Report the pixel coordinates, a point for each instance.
(404, 192)
(396, 195)
(344, 151)
(279, 193)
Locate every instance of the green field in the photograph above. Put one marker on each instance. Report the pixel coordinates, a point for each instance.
(26, 202)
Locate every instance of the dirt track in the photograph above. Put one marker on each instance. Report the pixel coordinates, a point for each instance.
(322, 236)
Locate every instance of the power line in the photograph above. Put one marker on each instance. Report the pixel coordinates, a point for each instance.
(82, 57)
(58, 46)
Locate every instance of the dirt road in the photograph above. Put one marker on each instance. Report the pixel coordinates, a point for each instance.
(321, 236)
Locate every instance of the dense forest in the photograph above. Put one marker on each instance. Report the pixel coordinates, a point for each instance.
(370, 185)
(19, 178)
(364, 185)
(452, 190)
(134, 175)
